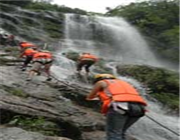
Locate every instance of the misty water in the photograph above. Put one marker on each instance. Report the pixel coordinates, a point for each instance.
(123, 45)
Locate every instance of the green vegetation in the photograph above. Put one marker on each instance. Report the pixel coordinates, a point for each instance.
(170, 100)
(22, 3)
(12, 49)
(158, 21)
(39, 5)
(163, 84)
(18, 92)
(72, 55)
(43, 5)
(14, 91)
(39, 124)
(54, 29)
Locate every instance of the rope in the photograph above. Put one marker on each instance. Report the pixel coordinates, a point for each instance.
(146, 115)
(75, 87)
(162, 125)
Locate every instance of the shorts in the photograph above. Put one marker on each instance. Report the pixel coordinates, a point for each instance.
(37, 66)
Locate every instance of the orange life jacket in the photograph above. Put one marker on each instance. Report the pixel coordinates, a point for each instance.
(119, 91)
(43, 55)
(88, 57)
(26, 45)
(29, 52)
(43, 58)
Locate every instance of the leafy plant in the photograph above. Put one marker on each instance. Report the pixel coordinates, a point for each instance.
(37, 124)
(15, 91)
(158, 21)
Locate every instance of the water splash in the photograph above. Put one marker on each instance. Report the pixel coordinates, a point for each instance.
(116, 41)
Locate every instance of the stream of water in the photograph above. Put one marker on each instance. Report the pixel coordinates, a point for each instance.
(124, 45)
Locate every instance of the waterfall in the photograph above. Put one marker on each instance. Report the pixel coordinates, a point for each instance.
(117, 41)
(108, 37)
(111, 38)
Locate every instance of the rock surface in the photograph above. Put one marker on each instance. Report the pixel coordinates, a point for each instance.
(58, 102)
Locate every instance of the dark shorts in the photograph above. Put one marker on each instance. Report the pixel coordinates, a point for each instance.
(86, 64)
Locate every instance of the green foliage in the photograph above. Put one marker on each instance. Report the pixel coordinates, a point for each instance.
(72, 55)
(42, 5)
(39, 124)
(159, 80)
(21, 3)
(11, 49)
(168, 99)
(14, 91)
(18, 92)
(171, 36)
(52, 28)
(163, 84)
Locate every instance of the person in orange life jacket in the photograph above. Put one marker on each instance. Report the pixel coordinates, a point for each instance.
(24, 45)
(28, 54)
(41, 59)
(86, 60)
(121, 104)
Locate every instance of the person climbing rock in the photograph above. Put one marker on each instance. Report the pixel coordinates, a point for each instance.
(28, 54)
(86, 60)
(121, 103)
(42, 61)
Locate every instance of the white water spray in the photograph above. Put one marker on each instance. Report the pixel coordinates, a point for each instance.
(115, 40)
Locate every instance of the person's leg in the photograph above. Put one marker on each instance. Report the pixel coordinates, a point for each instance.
(35, 68)
(47, 70)
(115, 125)
(26, 62)
(79, 66)
(129, 122)
(88, 65)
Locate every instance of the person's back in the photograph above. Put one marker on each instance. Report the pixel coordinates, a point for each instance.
(29, 52)
(120, 91)
(121, 104)
(88, 56)
(86, 60)
(41, 59)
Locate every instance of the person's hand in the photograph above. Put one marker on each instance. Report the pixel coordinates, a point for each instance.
(90, 99)
(87, 98)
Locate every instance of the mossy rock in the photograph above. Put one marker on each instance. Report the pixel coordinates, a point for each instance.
(158, 79)
(72, 55)
(36, 124)
(14, 91)
(163, 83)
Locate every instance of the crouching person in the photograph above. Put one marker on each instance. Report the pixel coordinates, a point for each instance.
(42, 61)
(121, 103)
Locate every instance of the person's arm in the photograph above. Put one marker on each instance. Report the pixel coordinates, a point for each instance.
(21, 55)
(97, 87)
(80, 57)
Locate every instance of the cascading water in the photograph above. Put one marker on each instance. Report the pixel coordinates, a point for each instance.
(147, 129)
(115, 40)
(111, 38)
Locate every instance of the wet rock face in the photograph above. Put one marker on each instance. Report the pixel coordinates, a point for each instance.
(14, 133)
(29, 106)
(37, 98)
(49, 25)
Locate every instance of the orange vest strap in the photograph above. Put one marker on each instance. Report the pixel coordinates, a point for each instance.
(119, 91)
